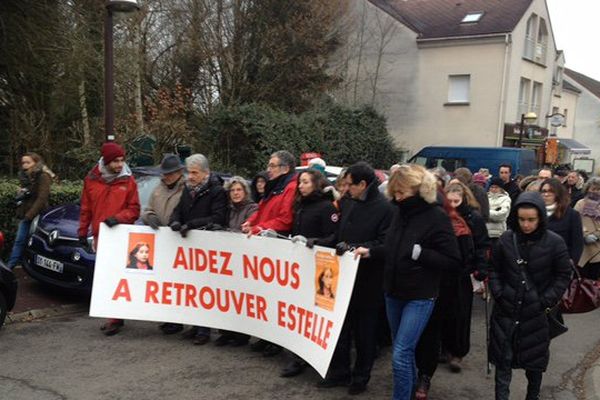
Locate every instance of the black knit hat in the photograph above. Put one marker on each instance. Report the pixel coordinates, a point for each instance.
(497, 182)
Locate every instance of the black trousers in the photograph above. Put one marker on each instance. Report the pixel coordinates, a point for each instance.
(360, 326)
(504, 376)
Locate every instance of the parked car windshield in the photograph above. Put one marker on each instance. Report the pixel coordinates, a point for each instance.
(146, 184)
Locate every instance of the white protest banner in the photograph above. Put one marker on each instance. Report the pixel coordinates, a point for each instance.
(270, 288)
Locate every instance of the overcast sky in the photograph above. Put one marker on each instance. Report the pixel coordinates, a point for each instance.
(576, 26)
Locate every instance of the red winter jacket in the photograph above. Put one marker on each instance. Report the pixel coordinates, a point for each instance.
(101, 200)
(275, 210)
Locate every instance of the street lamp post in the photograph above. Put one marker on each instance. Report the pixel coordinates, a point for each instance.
(528, 118)
(112, 6)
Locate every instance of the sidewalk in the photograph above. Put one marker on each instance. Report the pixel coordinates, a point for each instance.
(591, 380)
(34, 300)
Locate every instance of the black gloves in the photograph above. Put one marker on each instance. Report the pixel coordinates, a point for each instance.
(111, 221)
(152, 221)
(211, 226)
(175, 226)
(341, 248)
(310, 243)
(480, 275)
(83, 241)
(183, 230)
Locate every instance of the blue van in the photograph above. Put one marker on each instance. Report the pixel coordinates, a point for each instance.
(523, 161)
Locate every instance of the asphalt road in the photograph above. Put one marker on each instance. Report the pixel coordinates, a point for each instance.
(69, 358)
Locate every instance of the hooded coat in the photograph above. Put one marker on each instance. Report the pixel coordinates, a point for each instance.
(522, 292)
(415, 221)
(315, 217)
(499, 210)
(101, 199)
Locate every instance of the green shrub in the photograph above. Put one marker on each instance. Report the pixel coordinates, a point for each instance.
(240, 139)
(65, 192)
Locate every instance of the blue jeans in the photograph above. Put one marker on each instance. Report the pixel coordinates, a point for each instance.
(408, 319)
(19, 246)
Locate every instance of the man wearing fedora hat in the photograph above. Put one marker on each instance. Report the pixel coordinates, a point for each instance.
(163, 201)
(166, 195)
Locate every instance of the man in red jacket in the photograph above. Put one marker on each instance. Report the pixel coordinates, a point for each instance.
(275, 212)
(109, 195)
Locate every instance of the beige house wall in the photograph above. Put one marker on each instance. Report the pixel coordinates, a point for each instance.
(520, 67)
(439, 122)
(567, 100)
(383, 65)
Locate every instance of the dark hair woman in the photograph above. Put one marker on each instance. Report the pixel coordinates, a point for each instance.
(315, 218)
(139, 257)
(562, 219)
(530, 272)
(325, 280)
(257, 187)
(589, 209)
(420, 242)
(32, 197)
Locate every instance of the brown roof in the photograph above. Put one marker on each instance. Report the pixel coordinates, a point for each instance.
(569, 86)
(590, 84)
(442, 18)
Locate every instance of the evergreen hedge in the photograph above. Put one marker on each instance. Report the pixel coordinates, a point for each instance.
(65, 192)
(241, 139)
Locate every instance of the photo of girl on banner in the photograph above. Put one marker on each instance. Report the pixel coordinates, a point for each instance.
(141, 251)
(326, 279)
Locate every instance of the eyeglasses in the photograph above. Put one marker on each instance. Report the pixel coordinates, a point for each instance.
(273, 166)
(544, 191)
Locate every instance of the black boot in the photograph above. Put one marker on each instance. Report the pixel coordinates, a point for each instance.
(295, 367)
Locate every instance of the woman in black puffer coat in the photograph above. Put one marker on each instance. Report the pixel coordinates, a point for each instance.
(315, 219)
(519, 335)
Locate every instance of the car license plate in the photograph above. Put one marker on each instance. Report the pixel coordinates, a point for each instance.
(47, 263)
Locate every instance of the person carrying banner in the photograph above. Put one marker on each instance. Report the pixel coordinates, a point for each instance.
(364, 220)
(420, 243)
(315, 220)
(163, 200)
(203, 204)
(241, 207)
(275, 212)
(109, 195)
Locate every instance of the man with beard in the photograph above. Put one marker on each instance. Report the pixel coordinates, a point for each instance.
(109, 195)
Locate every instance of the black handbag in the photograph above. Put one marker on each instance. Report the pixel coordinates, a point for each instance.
(556, 323)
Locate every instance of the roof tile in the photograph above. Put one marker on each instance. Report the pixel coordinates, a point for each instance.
(442, 18)
(590, 84)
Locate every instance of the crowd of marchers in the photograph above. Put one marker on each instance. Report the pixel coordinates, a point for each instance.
(428, 242)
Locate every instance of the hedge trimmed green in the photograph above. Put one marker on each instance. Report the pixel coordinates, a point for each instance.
(65, 192)
(240, 139)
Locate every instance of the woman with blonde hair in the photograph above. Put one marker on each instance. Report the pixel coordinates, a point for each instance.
(419, 244)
